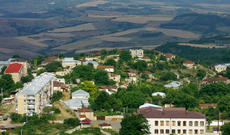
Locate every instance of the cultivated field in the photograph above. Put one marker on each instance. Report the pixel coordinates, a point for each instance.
(83, 27)
(143, 19)
(202, 45)
(92, 4)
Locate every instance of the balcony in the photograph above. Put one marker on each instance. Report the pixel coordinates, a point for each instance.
(31, 106)
(30, 98)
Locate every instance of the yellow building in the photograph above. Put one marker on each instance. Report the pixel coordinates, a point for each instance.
(16, 71)
(36, 95)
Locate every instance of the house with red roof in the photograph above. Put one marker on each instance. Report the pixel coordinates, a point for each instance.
(189, 64)
(109, 69)
(170, 56)
(16, 70)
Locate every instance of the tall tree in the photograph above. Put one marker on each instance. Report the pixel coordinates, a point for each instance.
(226, 129)
(134, 124)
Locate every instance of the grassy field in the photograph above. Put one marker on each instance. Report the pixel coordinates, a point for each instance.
(83, 27)
(92, 4)
(202, 45)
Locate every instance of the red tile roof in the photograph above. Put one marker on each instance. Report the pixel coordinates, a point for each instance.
(104, 67)
(188, 62)
(85, 110)
(86, 121)
(169, 55)
(208, 105)
(219, 79)
(14, 68)
(151, 112)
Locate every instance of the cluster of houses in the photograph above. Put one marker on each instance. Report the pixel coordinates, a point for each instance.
(35, 95)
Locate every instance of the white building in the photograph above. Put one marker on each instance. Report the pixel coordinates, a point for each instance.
(162, 94)
(78, 101)
(137, 53)
(35, 95)
(173, 84)
(94, 63)
(174, 121)
(220, 68)
(109, 69)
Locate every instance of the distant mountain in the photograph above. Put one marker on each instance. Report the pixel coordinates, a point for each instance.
(200, 23)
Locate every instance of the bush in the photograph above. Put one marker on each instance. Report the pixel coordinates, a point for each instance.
(56, 96)
(72, 122)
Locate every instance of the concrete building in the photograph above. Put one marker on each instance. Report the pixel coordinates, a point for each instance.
(137, 53)
(174, 121)
(189, 64)
(220, 68)
(109, 69)
(173, 84)
(70, 62)
(35, 95)
(16, 71)
(170, 56)
(94, 63)
(78, 101)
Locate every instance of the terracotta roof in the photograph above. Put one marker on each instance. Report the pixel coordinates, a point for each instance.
(169, 55)
(85, 110)
(82, 116)
(151, 112)
(132, 71)
(108, 87)
(59, 84)
(14, 68)
(188, 62)
(86, 121)
(208, 105)
(104, 67)
(219, 79)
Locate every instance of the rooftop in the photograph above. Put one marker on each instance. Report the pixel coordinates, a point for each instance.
(13, 68)
(188, 62)
(169, 55)
(104, 67)
(37, 84)
(80, 93)
(150, 112)
(69, 60)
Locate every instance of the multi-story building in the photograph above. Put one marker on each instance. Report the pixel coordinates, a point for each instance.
(137, 53)
(35, 95)
(174, 121)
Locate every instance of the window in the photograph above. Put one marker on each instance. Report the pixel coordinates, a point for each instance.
(196, 131)
(156, 131)
(201, 131)
(174, 123)
(184, 123)
(201, 123)
(178, 123)
(167, 123)
(162, 131)
(167, 131)
(173, 131)
(184, 131)
(156, 123)
(162, 123)
(190, 123)
(196, 123)
(190, 131)
(178, 131)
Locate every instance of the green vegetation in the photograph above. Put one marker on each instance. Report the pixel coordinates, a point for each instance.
(134, 124)
(56, 96)
(53, 67)
(212, 55)
(72, 122)
(226, 129)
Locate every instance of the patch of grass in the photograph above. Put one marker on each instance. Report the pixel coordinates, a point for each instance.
(88, 131)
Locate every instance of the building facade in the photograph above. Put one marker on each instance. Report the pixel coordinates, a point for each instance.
(174, 121)
(36, 95)
(137, 53)
(16, 71)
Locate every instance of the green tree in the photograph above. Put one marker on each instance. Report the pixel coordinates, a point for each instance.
(6, 83)
(72, 122)
(168, 76)
(99, 102)
(101, 77)
(134, 124)
(201, 74)
(224, 104)
(83, 72)
(56, 96)
(53, 66)
(125, 55)
(226, 129)
(3, 69)
(140, 65)
(110, 62)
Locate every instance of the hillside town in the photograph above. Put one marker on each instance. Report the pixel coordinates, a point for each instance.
(111, 92)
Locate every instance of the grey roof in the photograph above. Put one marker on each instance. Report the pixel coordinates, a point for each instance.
(80, 93)
(90, 61)
(65, 60)
(174, 84)
(7, 62)
(77, 102)
(37, 84)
